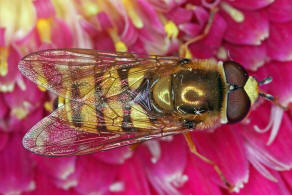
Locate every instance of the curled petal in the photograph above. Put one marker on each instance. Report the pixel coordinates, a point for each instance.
(251, 57)
(279, 44)
(280, 11)
(251, 31)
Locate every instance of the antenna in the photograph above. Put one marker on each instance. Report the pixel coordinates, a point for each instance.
(265, 81)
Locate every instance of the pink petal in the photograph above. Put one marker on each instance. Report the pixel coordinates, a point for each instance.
(280, 42)
(251, 4)
(44, 186)
(165, 6)
(44, 8)
(2, 37)
(280, 11)
(16, 171)
(59, 168)
(179, 15)
(129, 34)
(287, 176)
(149, 16)
(198, 182)
(3, 107)
(225, 147)
(31, 94)
(165, 166)
(131, 178)
(117, 156)
(259, 185)
(208, 47)
(281, 87)
(251, 57)
(104, 20)
(277, 155)
(95, 176)
(3, 140)
(103, 41)
(191, 29)
(61, 34)
(252, 31)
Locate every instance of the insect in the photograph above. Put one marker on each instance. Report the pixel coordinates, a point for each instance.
(117, 99)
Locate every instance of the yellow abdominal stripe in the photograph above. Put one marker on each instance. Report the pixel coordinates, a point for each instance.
(251, 88)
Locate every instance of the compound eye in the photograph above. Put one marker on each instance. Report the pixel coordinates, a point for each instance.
(235, 73)
(238, 105)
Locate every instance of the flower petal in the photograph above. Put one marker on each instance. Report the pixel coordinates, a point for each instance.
(61, 34)
(97, 175)
(251, 57)
(2, 37)
(9, 70)
(117, 156)
(251, 31)
(279, 44)
(131, 178)
(225, 147)
(208, 46)
(198, 182)
(43, 185)
(276, 155)
(3, 107)
(259, 185)
(251, 4)
(287, 175)
(179, 15)
(44, 8)
(15, 167)
(280, 11)
(3, 140)
(165, 167)
(59, 168)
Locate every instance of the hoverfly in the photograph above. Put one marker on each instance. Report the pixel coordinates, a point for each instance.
(117, 99)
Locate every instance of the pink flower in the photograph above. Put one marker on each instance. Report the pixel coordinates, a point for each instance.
(255, 154)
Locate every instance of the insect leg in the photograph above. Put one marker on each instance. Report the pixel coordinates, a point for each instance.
(183, 51)
(194, 150)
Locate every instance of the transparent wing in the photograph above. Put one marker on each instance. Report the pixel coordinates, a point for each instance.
(57, 135)
(77, 73)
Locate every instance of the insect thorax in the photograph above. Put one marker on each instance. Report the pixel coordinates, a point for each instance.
(193, 95)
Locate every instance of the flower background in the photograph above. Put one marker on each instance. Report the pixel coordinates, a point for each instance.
(255, 155)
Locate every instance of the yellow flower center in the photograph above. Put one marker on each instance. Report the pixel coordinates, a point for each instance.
(3, 61)
(171, 29)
